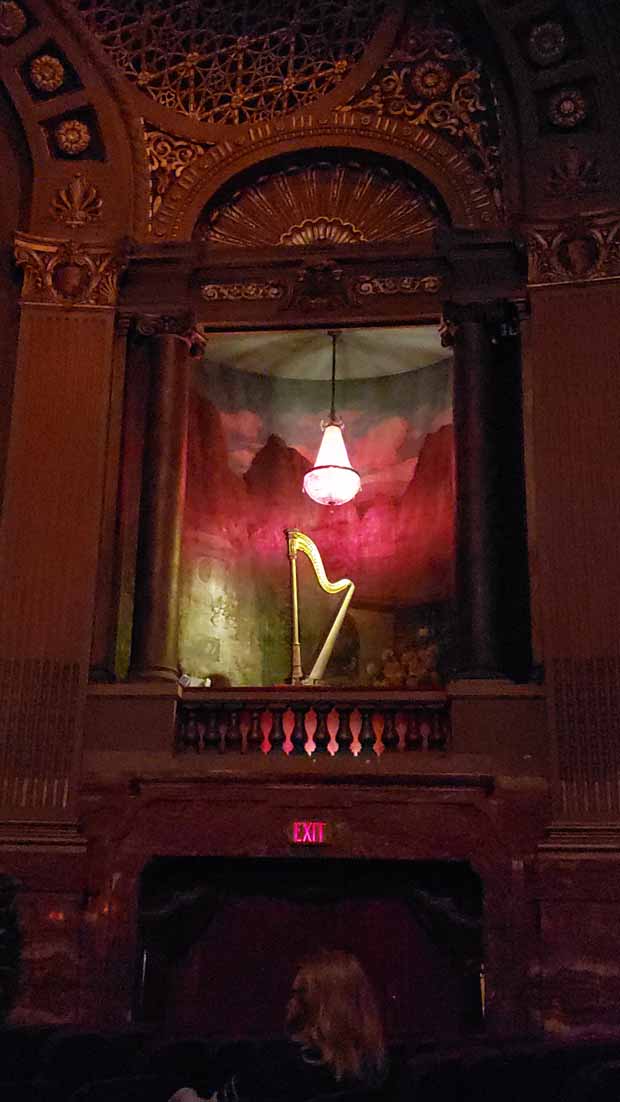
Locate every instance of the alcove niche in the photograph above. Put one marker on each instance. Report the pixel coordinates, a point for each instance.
(257, 400)
(220, 938)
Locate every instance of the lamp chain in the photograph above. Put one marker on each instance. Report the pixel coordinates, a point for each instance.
(332, 413)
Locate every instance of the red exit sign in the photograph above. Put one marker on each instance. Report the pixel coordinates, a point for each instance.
(309, 832)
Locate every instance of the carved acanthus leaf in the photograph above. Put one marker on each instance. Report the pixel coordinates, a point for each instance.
(77, 204)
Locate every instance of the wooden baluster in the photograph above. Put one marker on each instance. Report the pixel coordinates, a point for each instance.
(222, 726)
(277, 727)
(234, 734)
(332, 730)
(255, 735)
(321, 735)
(211, 737)
(400, 722)
(390, 734)
(425, 730)
(188, 735)
(298, 737)
(343, 734)
(266, 727)
(436, 740)
(245, 726)
(367, 733)
(413, 736)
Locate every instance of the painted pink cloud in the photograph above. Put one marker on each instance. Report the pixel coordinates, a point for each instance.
(244, 423)
(379, 448)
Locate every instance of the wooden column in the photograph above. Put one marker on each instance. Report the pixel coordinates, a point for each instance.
(491, 551)
(50, 525)
(154, 652)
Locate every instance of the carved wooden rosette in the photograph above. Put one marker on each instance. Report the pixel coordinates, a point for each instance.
(68, 273)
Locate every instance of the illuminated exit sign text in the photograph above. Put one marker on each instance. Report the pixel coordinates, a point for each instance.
(309, 832)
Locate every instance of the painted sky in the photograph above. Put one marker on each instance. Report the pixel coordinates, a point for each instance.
(386, 418)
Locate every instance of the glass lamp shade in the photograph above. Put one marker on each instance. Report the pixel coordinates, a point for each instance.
(332, 480)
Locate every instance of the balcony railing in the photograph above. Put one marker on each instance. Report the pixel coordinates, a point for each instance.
(312, 721)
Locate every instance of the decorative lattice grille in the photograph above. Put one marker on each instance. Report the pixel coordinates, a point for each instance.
(233, 61)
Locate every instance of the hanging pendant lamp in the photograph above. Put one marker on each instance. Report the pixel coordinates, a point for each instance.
(332, 480)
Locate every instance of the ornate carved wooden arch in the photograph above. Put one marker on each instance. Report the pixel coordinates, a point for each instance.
(469, 202)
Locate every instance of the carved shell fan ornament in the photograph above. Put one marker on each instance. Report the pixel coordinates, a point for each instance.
(321, 204)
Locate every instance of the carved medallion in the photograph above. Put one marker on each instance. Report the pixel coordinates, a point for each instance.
(230, 62)
(574, 251)
(330, 203)
(547, 43)
(47, 73)
(567, 108)
(77, 204)
(65, 273)
(72, 136)
(12, 20)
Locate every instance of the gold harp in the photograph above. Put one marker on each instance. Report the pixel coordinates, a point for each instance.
(297, 541)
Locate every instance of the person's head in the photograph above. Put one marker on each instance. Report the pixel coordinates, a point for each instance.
(332, 1009)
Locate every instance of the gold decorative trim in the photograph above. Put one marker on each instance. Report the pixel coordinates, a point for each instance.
(399, 285)
(574, 251)
(77, 204)
(233, 292)
(68, 273)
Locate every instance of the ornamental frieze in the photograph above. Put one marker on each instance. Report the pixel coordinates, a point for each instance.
(68, 273)
(574, 251)
(397, 285)
(249, 292)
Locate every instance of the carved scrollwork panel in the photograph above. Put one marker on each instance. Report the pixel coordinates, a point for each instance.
(432, 80)
(250, 292)
(395, 285)
(168, 156)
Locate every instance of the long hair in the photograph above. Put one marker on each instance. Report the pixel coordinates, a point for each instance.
(333, 1011)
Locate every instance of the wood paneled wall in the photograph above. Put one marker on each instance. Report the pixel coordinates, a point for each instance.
(576, 407)
(48, 553)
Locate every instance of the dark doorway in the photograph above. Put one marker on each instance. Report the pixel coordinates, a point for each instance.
(220, 940)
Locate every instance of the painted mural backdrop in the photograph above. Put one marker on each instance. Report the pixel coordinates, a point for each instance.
(252, 438)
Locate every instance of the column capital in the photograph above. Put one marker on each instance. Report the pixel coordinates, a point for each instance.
(501, 318)
(64, 272)
(181, 325)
